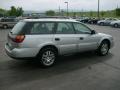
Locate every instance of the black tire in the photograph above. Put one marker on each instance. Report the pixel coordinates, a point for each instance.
(116, 25)
(5, 26)
(92, 22)
(103, 48)
(102, 24)
(45, 59)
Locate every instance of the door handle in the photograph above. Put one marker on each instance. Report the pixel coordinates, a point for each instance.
(81, 38)
(57, 39)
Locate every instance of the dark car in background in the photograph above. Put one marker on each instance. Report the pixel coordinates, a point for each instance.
(8, 22)
(85, 20)
(93, 21)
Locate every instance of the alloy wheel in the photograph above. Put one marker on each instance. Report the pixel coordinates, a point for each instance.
(48, 58)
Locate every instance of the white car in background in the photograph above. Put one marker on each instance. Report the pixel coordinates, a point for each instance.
(106, 21)
(115, 24)
(8, 22)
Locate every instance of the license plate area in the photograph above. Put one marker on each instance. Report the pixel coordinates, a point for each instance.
(11, 44)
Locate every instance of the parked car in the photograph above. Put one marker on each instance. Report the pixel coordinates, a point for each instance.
(85, 20)
(48, 38)
(115, 24)
(106, 21)
(93, 21)
(8, 22)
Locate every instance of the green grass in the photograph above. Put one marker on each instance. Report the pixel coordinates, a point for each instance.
(107, 14)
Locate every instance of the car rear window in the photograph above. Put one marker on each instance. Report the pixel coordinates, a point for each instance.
(18, 28)
(33, 28)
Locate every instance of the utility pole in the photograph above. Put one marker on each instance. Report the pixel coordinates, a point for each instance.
(117, 6)
(67, 9)
(98, 9)
(59, 10)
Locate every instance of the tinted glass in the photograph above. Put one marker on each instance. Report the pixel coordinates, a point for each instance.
(18, 28)
(42, 28)
(33, 28)
(81, 29)
(8, 20)
(65, 28)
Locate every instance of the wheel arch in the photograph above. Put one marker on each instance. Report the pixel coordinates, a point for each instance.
(116, 24)
(107, 40)
(49, 46)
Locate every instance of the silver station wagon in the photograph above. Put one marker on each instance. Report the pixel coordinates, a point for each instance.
(48, 38)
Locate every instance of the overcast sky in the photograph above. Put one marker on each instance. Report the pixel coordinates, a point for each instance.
(42, 5)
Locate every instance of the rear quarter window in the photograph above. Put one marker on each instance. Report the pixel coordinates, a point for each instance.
(18, 28)
(42, 28)
(31, 28)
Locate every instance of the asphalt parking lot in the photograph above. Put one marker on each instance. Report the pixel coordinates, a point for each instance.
(84, 71)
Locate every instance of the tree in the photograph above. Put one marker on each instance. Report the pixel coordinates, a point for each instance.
(12, 11)
(91, 13)
(15, 11)
(74, 14)
(50, 13)
(3, 12)
(102, 13)
(118, 12)
(19, 11)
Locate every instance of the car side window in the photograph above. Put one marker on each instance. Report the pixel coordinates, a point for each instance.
(42, 28)
(8, 20)
(11, 20)
(81, 29)
(65, 28)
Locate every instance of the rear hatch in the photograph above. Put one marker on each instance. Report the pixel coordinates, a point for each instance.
(16, 36)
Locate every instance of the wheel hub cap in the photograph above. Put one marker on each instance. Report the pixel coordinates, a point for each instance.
(104, 49)
(48, 57)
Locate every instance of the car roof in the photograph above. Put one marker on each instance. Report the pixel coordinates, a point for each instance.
(49, 20)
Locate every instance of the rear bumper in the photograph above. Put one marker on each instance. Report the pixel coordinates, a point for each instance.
(20, 53)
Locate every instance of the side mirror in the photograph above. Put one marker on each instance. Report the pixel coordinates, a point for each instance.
(93, 32)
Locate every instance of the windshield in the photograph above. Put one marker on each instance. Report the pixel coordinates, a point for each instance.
(18, 28)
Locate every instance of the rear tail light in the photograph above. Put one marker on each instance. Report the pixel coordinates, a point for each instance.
(18, 38)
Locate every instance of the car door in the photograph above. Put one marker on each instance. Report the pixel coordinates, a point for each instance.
(108, 21)
(65, 38)
(85, 40)
(118, 23)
